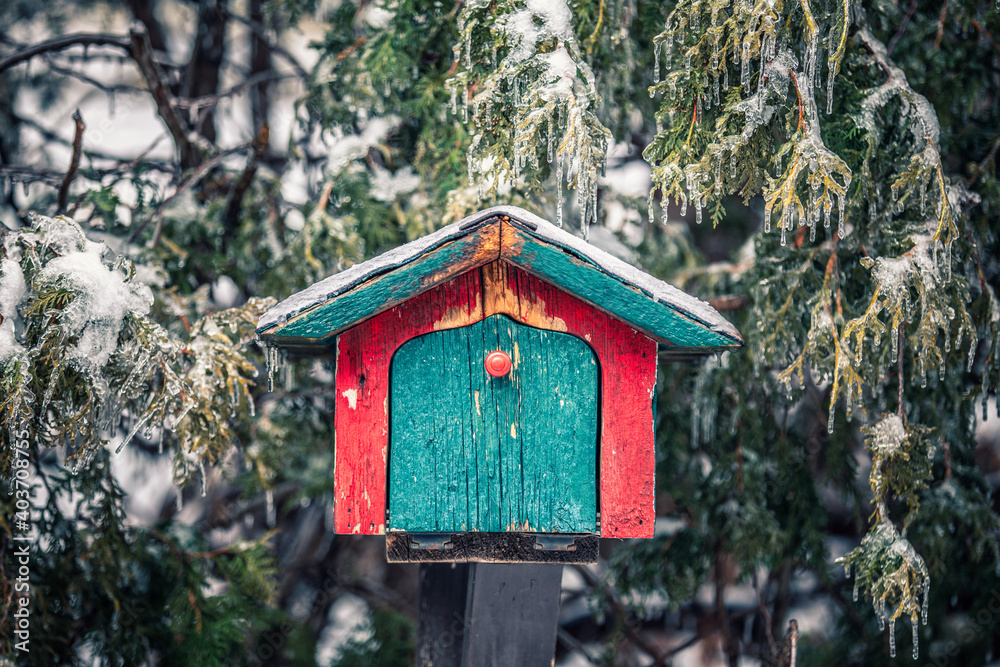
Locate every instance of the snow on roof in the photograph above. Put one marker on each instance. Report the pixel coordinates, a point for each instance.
(653, 288)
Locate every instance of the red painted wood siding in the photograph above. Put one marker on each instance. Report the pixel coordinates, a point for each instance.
(628, 377)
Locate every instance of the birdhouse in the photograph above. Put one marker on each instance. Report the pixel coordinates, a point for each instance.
(494, 389)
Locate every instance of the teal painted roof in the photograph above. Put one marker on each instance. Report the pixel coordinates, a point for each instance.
(309, 320)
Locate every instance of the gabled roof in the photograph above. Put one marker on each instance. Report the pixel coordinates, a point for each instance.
(309, 320)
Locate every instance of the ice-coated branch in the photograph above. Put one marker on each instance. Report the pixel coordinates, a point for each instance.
(544, 78)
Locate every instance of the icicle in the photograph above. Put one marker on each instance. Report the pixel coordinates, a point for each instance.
(697, 211)
(656, 63)
(114, 621)
(270, 516)
(841, 226)
(830, 417)
(270, 359)
(204, 479)
(465, 106)
(50, 390)
(725, 75)
(132, 432)
(829, 91)
(454, 100)
(179, 498)
(468, 50)
(650, 213)
(559, 194)
(916, 642)
(857, 587)
(684, 205)
(892, 639)
(745, 65)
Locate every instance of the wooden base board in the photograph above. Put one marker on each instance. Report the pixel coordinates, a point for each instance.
(490, 548)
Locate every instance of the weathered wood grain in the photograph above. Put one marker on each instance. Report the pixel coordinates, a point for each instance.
(628, 379)
(362, 401)
(628, 374)
(384, 290)
(577, 275)
(490, 548)
(472, 452)
(306, 321)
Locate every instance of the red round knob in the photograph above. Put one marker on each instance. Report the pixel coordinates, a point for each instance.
(498, 364)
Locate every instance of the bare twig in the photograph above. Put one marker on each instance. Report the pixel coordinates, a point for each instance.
(22, 174)
(729, 642)
(60, 43)
(940, 28)
(764, 612)
(199, 172)
(210, 101)
(981, 167)
(79, 76)
(986, 33)
(235, 201)
(142, 52)
(790, 645)
(642, 642)
(911, 10)
(74, 163)
(261, 31)
(575, 644)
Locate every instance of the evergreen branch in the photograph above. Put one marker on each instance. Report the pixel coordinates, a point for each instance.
(837, 56)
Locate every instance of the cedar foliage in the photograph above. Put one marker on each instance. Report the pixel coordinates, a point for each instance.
(845, 152)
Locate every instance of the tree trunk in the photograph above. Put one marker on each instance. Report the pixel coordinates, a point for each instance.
(205, 67)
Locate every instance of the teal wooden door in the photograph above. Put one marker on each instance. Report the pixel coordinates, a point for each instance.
(472, 452)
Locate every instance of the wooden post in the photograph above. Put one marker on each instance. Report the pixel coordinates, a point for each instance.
(441, 620)
(509, 614)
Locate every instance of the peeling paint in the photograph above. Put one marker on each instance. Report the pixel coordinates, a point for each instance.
(513, 431)
(352, 398)
(478, 410)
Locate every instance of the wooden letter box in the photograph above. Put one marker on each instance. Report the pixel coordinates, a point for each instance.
(494, 388)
